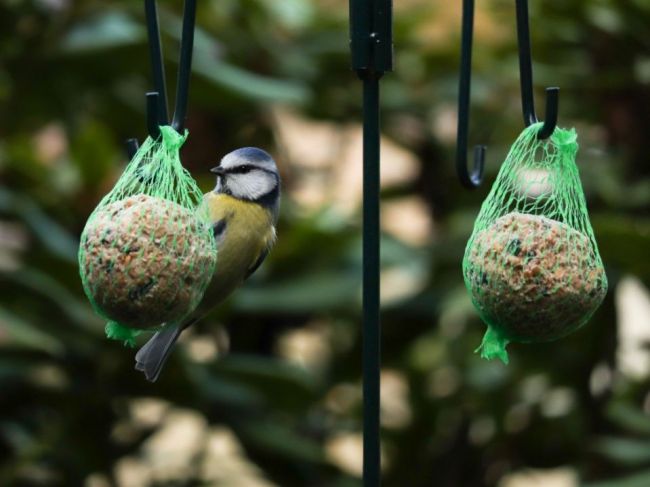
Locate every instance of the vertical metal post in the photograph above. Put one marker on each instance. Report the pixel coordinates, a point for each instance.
(372, 55)
(371, 288)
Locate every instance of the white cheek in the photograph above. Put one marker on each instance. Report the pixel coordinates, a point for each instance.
(250, 186)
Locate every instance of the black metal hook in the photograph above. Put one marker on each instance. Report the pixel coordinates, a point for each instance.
(157, 65)
(526, 78)
(132, 146)
(474, 179)
(157, 113)
(184, 67)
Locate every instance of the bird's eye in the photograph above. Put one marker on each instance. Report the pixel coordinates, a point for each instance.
(244, 169)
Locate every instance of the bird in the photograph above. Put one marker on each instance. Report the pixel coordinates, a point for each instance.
(243, 211)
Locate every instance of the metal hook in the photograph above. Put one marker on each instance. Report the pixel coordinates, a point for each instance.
(132, 147)
(157, 112)
(469, 180)
(473, 179)
(184, 65)
(153, 113)
(526, 78)
(157, 69)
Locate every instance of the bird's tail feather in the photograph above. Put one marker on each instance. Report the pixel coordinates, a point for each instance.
(151, 358)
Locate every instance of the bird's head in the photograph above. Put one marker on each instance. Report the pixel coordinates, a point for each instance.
(248, 174)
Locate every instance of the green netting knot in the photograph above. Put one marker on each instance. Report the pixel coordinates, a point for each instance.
(172, 140)
(565, 140)
(115, 331)
(494, 346)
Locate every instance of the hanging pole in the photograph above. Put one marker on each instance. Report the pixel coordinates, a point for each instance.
(371, 288)
(372, 55)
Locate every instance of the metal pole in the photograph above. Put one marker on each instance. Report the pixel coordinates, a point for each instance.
(372, 55)
(371, 288)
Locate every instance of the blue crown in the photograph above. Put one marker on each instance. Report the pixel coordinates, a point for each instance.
(252, 154)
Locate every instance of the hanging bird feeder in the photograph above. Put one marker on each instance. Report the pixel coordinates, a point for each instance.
(147, 254)
(531, 265)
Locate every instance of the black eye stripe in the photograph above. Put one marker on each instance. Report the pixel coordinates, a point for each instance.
(243, 169)
(246, 168)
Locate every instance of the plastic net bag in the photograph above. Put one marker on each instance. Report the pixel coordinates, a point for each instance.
(532, 265)
(147, 253)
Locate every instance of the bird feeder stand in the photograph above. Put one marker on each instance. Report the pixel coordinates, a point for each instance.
(371, 46)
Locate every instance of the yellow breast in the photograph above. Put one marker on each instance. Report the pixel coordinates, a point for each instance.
(248, 232)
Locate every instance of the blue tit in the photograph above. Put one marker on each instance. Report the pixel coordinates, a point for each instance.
(243, 208)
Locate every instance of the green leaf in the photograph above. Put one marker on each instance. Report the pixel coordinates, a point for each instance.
(53, 236)
(93, 152)
(629, 417)
(281, 384)
(281, 440)
(247, 84)
(294, 14)
(395, 252)
(14, 369)
(606, 17)
(488, 376)
(637, 480)
(207, 62)
(110, 30)
(48, 288)
(623, 242)
(323, 291)
(624, 450)
(227, 392)
(15, 331)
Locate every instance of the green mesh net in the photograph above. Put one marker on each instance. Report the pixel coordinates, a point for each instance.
(147, 253)
(532, 265)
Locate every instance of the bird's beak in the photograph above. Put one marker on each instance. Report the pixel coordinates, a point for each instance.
(218, 170)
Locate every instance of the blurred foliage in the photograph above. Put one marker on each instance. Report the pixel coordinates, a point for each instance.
(285, 396)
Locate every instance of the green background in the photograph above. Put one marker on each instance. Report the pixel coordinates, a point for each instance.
(266, 391)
